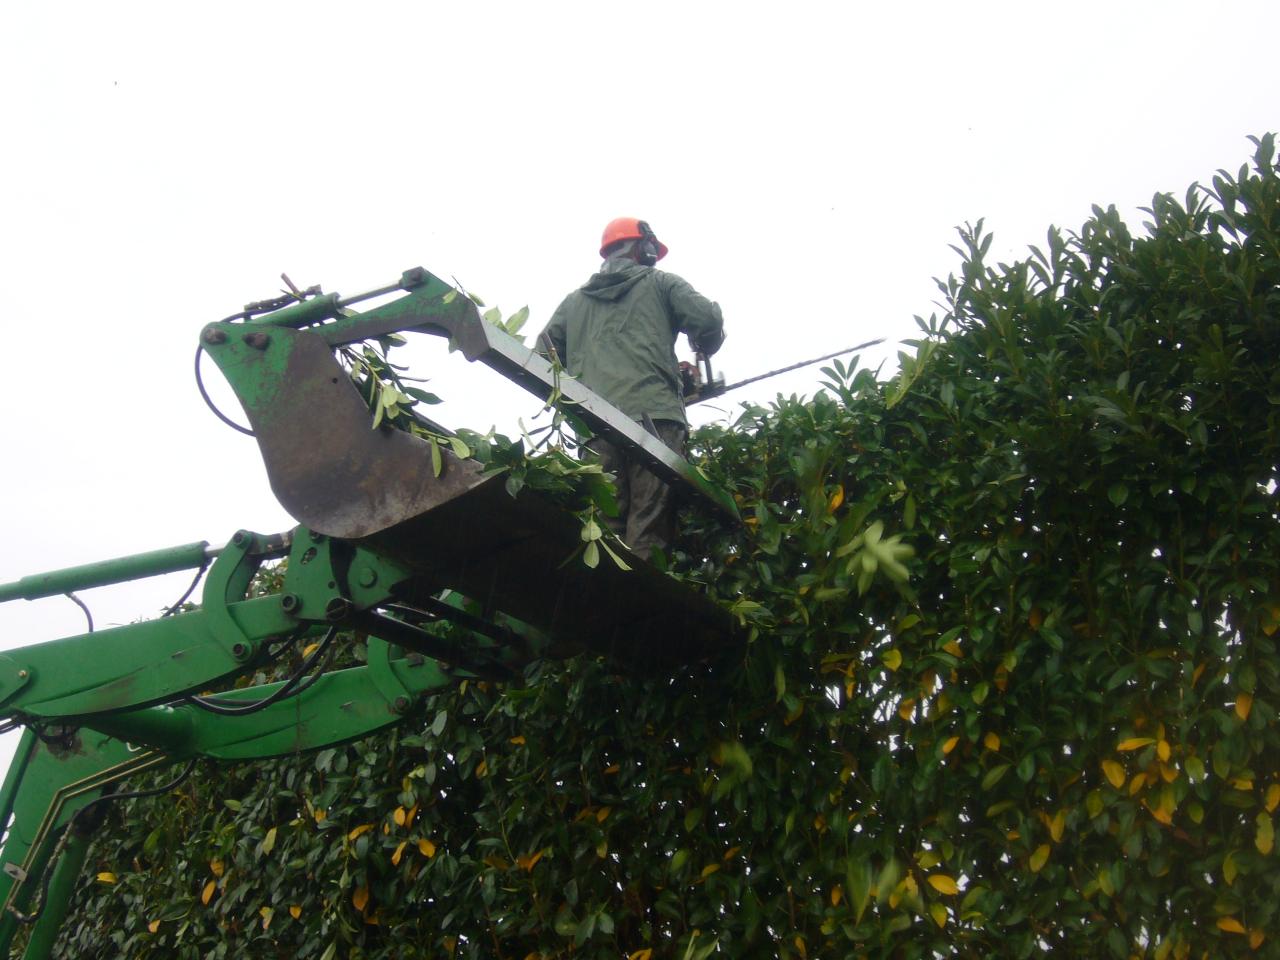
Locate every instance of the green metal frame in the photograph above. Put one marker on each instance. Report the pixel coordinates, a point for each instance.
(105, 706)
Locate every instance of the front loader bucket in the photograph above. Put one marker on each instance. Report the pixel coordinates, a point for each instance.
(459, 529)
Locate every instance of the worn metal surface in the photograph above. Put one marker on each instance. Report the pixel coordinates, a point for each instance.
(326, 465)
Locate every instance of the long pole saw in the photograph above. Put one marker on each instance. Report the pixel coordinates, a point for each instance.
(706, 386)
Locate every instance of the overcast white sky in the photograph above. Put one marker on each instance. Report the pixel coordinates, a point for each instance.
(806, 163)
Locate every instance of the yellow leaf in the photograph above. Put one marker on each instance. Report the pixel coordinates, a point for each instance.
(216, 867)
(991, 741)
(709, 869)
(1135, 743)
(1255, 939)
(106, 877)
(1244, 703)
(837, 498)
(1265, 838)
(426, 848)
(356, 831)
(319, 815)
(892, 659)
(1161, 814)
(266, 913)
(153, 926)
(517, 741)
(482, 767)
(360, 899)
(1273, 797)
(310, 648)
(1197, 673)
(943, 883)
(207, 893)
(799, 942)
(1230, 925)
(1056, 825)
(953, 647)
(906, 708)
(1114, 772)
(603, 814)
(398, 816)
(1240, 783)
(295, 911)
(1105, 884)
(395, 857)
(1039, 858)
(611, 769)
(837, 894)
(949, 744)
(939, 914)
(269, 841)
(1229, 869)
(645, 954)
(530, 861)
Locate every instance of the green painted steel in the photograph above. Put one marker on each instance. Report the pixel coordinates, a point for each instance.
(48, 784)
(153, 661)
(301, 314)
(62, 884)
(104, 572)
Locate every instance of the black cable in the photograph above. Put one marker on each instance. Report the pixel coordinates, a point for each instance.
(171, 610)
(216, 412)
(83, 606)
(234, 708)
(47, 877)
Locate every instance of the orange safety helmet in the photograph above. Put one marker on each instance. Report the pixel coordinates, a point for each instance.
(629, 228)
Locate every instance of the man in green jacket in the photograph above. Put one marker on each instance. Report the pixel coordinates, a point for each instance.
(616, 334)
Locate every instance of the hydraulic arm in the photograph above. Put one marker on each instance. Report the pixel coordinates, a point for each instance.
(439, 570)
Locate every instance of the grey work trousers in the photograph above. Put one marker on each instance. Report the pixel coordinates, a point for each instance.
(646, 505)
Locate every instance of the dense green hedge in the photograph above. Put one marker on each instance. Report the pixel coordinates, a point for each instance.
(1051, 727)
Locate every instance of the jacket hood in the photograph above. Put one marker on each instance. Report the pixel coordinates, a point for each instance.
(614, 280)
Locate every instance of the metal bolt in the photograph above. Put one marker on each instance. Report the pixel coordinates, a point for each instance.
(213, 336)
(257, 340)
(401, 704)
(23, 674)
(240, 538)
(337, 609)
(240, 651)
(316, 537)
(290, 603)
(368, 577)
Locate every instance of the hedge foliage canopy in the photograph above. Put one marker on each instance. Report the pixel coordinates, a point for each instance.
(1011, 683)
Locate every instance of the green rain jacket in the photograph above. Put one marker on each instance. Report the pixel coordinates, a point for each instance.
(616, 334)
